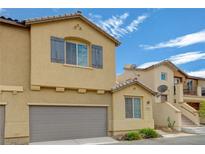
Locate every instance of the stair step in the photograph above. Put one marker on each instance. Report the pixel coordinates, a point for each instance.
(194, 130)
(187, 122)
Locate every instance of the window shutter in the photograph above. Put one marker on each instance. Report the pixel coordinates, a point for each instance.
(57, 50)
(97, 56)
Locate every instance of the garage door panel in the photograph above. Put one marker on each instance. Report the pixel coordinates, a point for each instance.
(58, 123)
(1, 124)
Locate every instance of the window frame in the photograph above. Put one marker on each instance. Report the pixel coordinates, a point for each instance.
(133, 109)
(89, 59)
(76, 44)
(163, 73)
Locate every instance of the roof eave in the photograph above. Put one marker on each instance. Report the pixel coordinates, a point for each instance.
(57, 18)
(12, 23)
(133, 83)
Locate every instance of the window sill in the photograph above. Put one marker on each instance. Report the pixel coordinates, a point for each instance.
(77, 66)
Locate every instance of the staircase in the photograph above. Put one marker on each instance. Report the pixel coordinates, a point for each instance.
(194, 130)
(187, 122)
(189, 127)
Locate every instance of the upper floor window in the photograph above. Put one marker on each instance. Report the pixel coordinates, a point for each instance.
(76, 54)
(163, 76)
(67, 52)
(133, 107)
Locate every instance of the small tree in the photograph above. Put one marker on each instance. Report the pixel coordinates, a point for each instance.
(202, 109)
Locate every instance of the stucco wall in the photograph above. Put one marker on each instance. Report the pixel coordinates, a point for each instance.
(162, 111)
(120, 122)
(15, 68)
(201, 83)
(169, 82)
(59, 75)
(152, 79)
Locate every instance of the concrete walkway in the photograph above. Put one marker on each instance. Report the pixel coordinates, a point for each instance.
(90, 141)
(167, 135)
(185, 140)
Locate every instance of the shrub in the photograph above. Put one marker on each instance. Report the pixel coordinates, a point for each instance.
(148, 133)
(202, 109)
(170, 123)
(132, 136)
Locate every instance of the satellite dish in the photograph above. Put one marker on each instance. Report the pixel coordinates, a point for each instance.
(162, 88)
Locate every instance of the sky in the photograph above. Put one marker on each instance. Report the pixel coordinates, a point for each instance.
(148, 36)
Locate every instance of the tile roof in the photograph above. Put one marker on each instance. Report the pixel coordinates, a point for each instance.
(78, 14)
(169, 63)
(121, 85)
(12, 21)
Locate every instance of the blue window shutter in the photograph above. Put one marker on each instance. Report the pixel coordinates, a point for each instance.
(57, 50)
(97, 56)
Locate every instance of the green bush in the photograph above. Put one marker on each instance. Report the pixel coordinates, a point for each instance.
(202, 109)
(132, 136)
(148, 133)
(170, 123)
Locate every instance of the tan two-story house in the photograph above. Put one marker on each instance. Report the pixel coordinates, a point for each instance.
(179, 94)
(58, 81)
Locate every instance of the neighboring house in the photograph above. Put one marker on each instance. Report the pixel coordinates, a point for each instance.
(181, 97)
(58, 81)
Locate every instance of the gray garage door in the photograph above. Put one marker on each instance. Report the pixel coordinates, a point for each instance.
(60, 123)
(1, 124)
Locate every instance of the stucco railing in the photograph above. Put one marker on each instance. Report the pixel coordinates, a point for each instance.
(164, 110)
(190, 113)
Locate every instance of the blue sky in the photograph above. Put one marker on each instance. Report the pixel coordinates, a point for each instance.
(148, 36)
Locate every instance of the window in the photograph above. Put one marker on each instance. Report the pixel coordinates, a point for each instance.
(76, 54)
(203, 91)
(97, 56)
(68, 52)
(189, 84)
(163, 76)
(132, 107)
(163, 98)
(177, 80)
(57, 50)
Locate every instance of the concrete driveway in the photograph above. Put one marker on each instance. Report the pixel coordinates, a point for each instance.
(90, 141)
(185, 140)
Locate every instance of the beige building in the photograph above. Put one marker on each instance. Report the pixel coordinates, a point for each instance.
(179, 94)
(58, 81)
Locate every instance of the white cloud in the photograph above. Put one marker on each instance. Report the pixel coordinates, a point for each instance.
(145, 65)
(186, 40)
(187, 57)
(200, 73)
(93, 16)
(179, 59)
(135, 23)
(115, 25)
